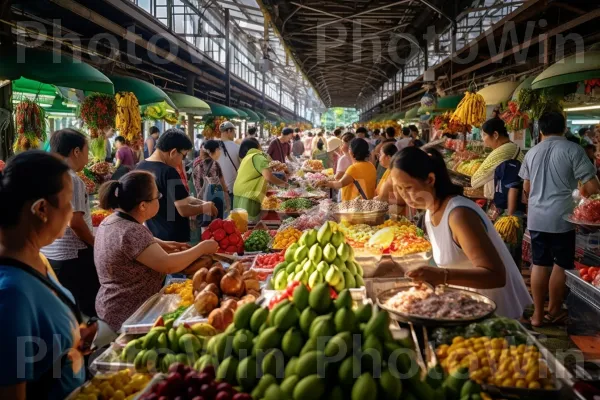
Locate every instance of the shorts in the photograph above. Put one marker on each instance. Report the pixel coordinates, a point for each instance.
(548, 249)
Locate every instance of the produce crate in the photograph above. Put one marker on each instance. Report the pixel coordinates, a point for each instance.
(584, 290)
(144, 318)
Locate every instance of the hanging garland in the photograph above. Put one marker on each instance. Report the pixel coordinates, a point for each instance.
(98, 112)
(211, 127)
(537, 103)
(515, 119)
(129, 120)
(31, 126)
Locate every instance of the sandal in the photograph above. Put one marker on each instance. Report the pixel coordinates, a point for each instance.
(561, 319)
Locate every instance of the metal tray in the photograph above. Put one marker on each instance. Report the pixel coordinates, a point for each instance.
(569, 218)
(383, 296)
(109, 360)
(369, 218)
(584, 290)
(563, 379)
(144, 318)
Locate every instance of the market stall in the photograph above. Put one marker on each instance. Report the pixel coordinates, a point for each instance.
(220, 331)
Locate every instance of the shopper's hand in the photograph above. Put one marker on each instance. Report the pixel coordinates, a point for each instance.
(209, 208)
(432, 275)
(88, 334)
(174, 247)
(208, 246)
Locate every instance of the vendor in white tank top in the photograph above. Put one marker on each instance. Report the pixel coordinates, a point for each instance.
(466, 247)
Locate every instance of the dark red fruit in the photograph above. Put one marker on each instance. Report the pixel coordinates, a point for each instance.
(242, 396)
(208, 391)
(223, 396)
(224, 387)
(210, 371)
(175, 367)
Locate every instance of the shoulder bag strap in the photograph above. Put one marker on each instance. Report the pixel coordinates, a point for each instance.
(360, 190)
(228, 156)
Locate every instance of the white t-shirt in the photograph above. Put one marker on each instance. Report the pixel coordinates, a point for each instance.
(404, 142)
(229, 166)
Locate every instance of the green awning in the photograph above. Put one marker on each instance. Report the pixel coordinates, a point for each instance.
(575, 68)
(24, 85)
(261, 116)
(243, 114)
(273, 117)
(219, 110)
(498, 93)
(449, 102)
(525, 84)
(58, 107)
(398, 116)
(145, 92)
(252, 116)
(53, 69)
(189, 104)
(412, 113)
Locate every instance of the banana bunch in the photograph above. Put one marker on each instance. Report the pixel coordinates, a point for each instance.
(508, 227)
(129, 120)
(470, 111)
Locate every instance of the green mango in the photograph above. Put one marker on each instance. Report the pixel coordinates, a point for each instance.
(291, 267)
(364, 388)
(324, 234)
(280, 281)
(266, 381)
(343, 251)
(173, 341)
(309, 267)
(360, 282)
(315, 278)
(302, 239)
(377, 325)
(301, 276)
(300, 297)
(298, 267)
(259, 317)
(349, 280)
(310, 387)
(290, 252)
(319, 298)
(341, 285)
(311, 237)
(301, 253)
(337, 238)
(323, 267)
(390, 386)
(315, 253)
(227, 370)
(333, 276)
(351, 255)
(359, 269)
(288, 385)
(306, 319)
(351, 267)
(363, 313)
(329, 253)
(340, 264)
(344, 300)
(344, 320)
(247, 374)
(279, 267)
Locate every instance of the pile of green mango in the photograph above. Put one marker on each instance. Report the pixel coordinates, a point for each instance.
(318, 257)
(166, 345)
(307, 348)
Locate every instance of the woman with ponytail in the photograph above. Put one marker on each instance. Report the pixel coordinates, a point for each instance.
(466, 248)
(132, 264)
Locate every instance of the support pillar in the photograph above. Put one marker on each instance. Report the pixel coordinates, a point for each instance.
(401, 88)
(6, 46)
(191, 81)
(227, 59)
(280, 96)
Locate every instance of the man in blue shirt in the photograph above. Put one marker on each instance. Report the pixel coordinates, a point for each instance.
(551, 171)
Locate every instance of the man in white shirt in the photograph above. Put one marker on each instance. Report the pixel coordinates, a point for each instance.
(406, 140)
(229, 161)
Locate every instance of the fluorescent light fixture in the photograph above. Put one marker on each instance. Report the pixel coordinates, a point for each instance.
(584, 121)
(584, 108)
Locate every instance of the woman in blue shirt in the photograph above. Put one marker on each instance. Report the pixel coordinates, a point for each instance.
(40, 340)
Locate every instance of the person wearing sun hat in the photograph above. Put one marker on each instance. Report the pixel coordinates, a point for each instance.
(334, 145)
